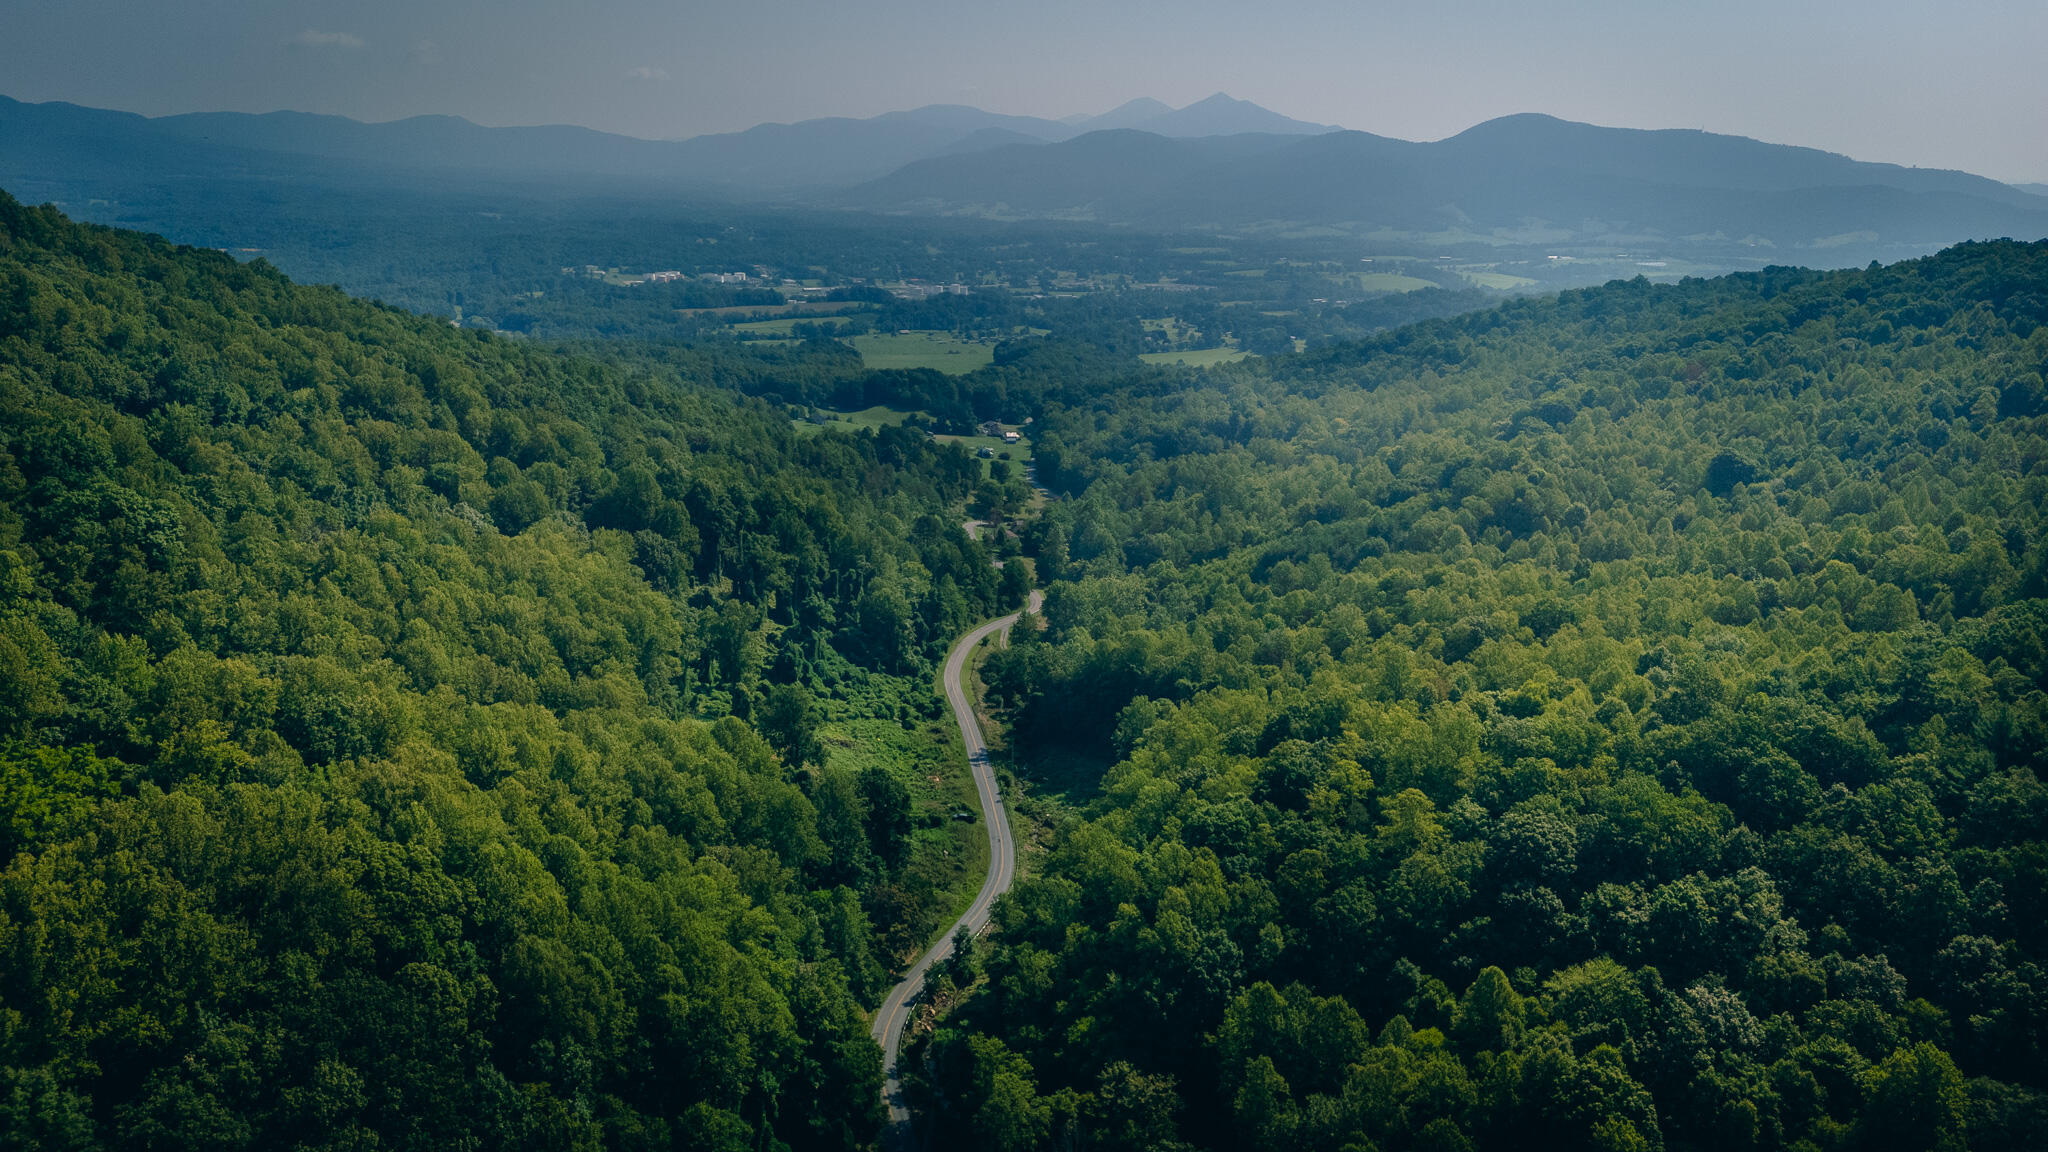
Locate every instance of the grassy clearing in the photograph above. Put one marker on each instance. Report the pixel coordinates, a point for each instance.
(876, 417)
(799, 308)
(1498, 281)
(950, 854)
(1175, 330)
(1200, 358)
(1391, 282)
(782, 327)
(941, 351)
(1017, 454)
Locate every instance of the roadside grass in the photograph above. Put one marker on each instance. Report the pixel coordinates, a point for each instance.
(948, 854)
(941, 351)
(1044, 791)
(1035, 813)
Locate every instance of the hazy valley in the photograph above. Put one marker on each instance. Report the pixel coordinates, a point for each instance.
(1183, 628)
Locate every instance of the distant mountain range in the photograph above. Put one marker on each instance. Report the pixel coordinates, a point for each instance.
(1219, 115)
(45, 140)
(1219, 163)
(1525, 178)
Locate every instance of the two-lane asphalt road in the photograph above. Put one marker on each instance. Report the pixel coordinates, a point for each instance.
(1002, 868)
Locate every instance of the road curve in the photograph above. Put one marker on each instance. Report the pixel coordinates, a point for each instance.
(1002, 869)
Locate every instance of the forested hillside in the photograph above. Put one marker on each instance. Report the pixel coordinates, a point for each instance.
(1613, 721)
(408, 736)
(1606, 721)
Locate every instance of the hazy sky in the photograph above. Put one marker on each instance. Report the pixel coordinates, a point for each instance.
(1957, 85)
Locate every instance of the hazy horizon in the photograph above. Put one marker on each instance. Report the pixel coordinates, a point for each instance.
(1878, 82)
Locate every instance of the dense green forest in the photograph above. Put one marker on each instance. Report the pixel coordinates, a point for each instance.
(1611, 721)
(409, 737)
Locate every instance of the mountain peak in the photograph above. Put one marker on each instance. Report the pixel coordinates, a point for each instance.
(1130, 114)
(1218, 114)
(1222, 114)
(1142, 106)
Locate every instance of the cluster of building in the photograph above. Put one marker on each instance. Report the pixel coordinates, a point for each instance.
(664, 277)
(916, 290)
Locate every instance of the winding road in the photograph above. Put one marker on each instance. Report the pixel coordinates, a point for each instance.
(1002, 869)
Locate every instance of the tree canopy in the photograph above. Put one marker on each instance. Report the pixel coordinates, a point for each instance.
(372, 760)
(1608, 721)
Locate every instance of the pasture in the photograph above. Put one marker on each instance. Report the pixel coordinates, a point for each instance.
(782, 327)
(941, 351)
(876, 417)
(1200, 358)
(1498, 281)
(1391, 282)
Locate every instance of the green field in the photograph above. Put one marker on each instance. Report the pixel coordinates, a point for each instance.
(782, 327)
(938, 350)
(875, 417)
(880, 416)
(1391, 282)
(1499, 281)
(1178, 333)
(1175, 329)
(1201, 358)
(930, 761)
(1019, 452)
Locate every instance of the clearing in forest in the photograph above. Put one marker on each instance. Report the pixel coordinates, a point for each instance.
(942, 351)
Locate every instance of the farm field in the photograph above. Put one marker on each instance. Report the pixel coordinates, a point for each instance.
(1199, 358)
(782, 327)
(797, 308)
(877, 417)
(1018, 454)
(1391, 282)
(937, 350)
(1498, 281)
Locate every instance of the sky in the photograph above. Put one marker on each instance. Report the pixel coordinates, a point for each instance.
(1954, 85)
